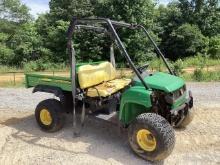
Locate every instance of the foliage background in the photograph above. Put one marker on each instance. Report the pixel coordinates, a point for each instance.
(183, 28)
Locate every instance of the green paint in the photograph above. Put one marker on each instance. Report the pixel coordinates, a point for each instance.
(134, 101)
(33, 80)
(163, 81)
(180, 100)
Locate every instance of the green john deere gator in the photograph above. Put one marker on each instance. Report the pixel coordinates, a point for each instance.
(148, 105)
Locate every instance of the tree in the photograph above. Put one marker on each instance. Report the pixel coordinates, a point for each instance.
(209, 18)
(204, 13)
(26, 44)
(168, 19)
(14, 10)
(214, 47)
(66, 9)
(53, 27)
(55, 40)
(6, 54)
(182, 28)
(13, 14)
(131, 11)
(186, 40)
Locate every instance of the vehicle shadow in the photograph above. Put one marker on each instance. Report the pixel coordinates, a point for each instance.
(98, 138)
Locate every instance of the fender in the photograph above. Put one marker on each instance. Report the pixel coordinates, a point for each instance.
(134, 101)
(50, 89)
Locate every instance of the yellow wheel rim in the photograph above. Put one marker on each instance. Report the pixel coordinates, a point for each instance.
(146, 140)
(45, 117)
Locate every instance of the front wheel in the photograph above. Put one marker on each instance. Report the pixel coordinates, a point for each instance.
(151, 137)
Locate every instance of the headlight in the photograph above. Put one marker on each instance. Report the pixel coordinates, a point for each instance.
(171, 97)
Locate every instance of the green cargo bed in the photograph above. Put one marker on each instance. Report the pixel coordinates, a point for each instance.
(32, 80)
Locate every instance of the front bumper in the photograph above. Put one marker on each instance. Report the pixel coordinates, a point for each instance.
(179, 113)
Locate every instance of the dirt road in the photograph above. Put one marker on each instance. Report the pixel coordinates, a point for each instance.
(22, 142)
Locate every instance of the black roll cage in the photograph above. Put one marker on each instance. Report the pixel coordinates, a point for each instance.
(109, 27)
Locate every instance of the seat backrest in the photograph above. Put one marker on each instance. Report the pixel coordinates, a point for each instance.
(90, 75)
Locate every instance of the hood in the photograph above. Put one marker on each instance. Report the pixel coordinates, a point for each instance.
(163, 81)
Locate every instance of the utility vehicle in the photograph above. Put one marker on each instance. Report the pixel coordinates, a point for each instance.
(148, 105)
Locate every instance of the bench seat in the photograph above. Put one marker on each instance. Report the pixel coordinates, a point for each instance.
(100, 80)
(107, 88)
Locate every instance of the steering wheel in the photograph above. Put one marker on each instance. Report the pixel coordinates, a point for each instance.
(142, 68)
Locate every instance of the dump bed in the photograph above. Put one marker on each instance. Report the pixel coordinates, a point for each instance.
(32, 80)
(64, 83)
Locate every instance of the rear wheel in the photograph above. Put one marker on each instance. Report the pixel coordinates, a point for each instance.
(49, 115)
(151, 137)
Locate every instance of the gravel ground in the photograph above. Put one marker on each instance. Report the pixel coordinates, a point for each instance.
(22, 142)
(206, 95)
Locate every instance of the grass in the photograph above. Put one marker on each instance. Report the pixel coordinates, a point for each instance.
(12, 85)
(44, 66)
(155, 64)
(35, 67)
(200, 75)
(196, 62)
(199, 61)
(205, 77)
(4, 68)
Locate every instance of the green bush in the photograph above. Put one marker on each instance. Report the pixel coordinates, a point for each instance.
(214, 47)
(6, 55)
(200, 75)
(156, 64)
(178, 67)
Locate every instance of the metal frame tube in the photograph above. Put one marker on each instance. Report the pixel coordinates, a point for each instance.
(98, 29)
(124, 52)
(156, 48)
(72, 58)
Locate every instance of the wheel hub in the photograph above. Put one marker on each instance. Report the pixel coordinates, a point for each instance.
(45, 117)
(146, 140)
